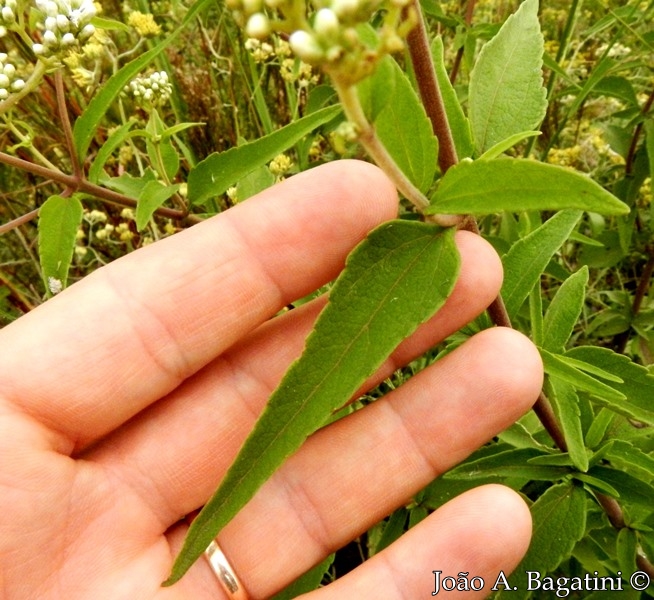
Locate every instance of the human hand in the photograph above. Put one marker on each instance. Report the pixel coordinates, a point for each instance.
(124, 400)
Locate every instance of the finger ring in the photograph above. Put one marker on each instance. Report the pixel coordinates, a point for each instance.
(224, 572)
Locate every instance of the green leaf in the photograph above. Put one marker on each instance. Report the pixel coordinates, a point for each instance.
(59, 220)
(559, 522)
(482, 187)
(506, 144)
(557, 366)
(459, 124)
(257, 181)
(565, 403)
(87, 124)
(307, 582)
(632, 490)
(397, 278)
(115, 140)
(128, 185)
(528, 257)
(564, 311)
(627, 550)
(152, 196)
(510, 463)
(506, 93)
(401, 123)
(212, 176)
(598, 427)
(627, 457)
(638, 385)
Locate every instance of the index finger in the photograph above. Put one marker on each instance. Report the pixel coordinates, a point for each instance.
(88, 360)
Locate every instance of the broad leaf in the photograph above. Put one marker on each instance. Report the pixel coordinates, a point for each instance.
(482, 187)
(152, 196)
(638, 385)
(459, 124)
(557, 366)
(401, 123)
(565, 403)
(564, 311)
(220, 170)
(559, 522)
(511, 463)
(506, 93)
(87, 124)
(59, 220)
(528, 257)
(394, 280)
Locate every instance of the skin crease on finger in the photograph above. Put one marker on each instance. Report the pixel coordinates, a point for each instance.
(105, 511)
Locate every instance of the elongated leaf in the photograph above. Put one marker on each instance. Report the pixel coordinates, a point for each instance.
(217, 172)
(482, 187)
(557, 366)
(634, 461)
(638, 385)
(393, 281)
(566, 407)
(506, 144)
(59, 220)
(307, 582)
(459, 124)
(559, 522)
(528, 257)
(564, 311)
(153, 195)
(114, 141)
(511, 463)
(87, 124)
(632, 490)
(401, 123)
(506, 93)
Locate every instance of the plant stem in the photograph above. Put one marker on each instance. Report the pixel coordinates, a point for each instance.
(83, 185)
(418, 43)
(351, 103)
(18, 221)
(470, 9)
(62, 108)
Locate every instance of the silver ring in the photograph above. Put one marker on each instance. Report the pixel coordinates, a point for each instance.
(224, 572)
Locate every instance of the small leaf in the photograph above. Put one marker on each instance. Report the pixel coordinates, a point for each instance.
(129, 185)
(510, 463)
(559, 522)
(152, 196)
(557, 366)
(565, 403)
(506, 84)
(627, 550)
(638, 385)
(114, 141)
(459, 124)
(483, 187)
(212, 176)
(528, 257)
(401, 123)
(59, 220)
(506, 144)
(397, 278)
(564, 311)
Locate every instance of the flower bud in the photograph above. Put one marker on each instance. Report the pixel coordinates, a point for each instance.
(305, 46)
(345, 8)
(258, 26)
(8, 15)
(326, 23)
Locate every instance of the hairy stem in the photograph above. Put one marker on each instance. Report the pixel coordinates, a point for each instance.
(419, 49)
(62, 108)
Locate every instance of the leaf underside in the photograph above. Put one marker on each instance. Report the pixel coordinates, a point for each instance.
(396, 279)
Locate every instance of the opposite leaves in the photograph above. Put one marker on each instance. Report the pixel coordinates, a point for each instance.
(393, 281)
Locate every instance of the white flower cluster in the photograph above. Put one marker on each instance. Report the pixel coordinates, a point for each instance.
(7, 15)
(8, 80)
(153, 89)
(65, 24)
